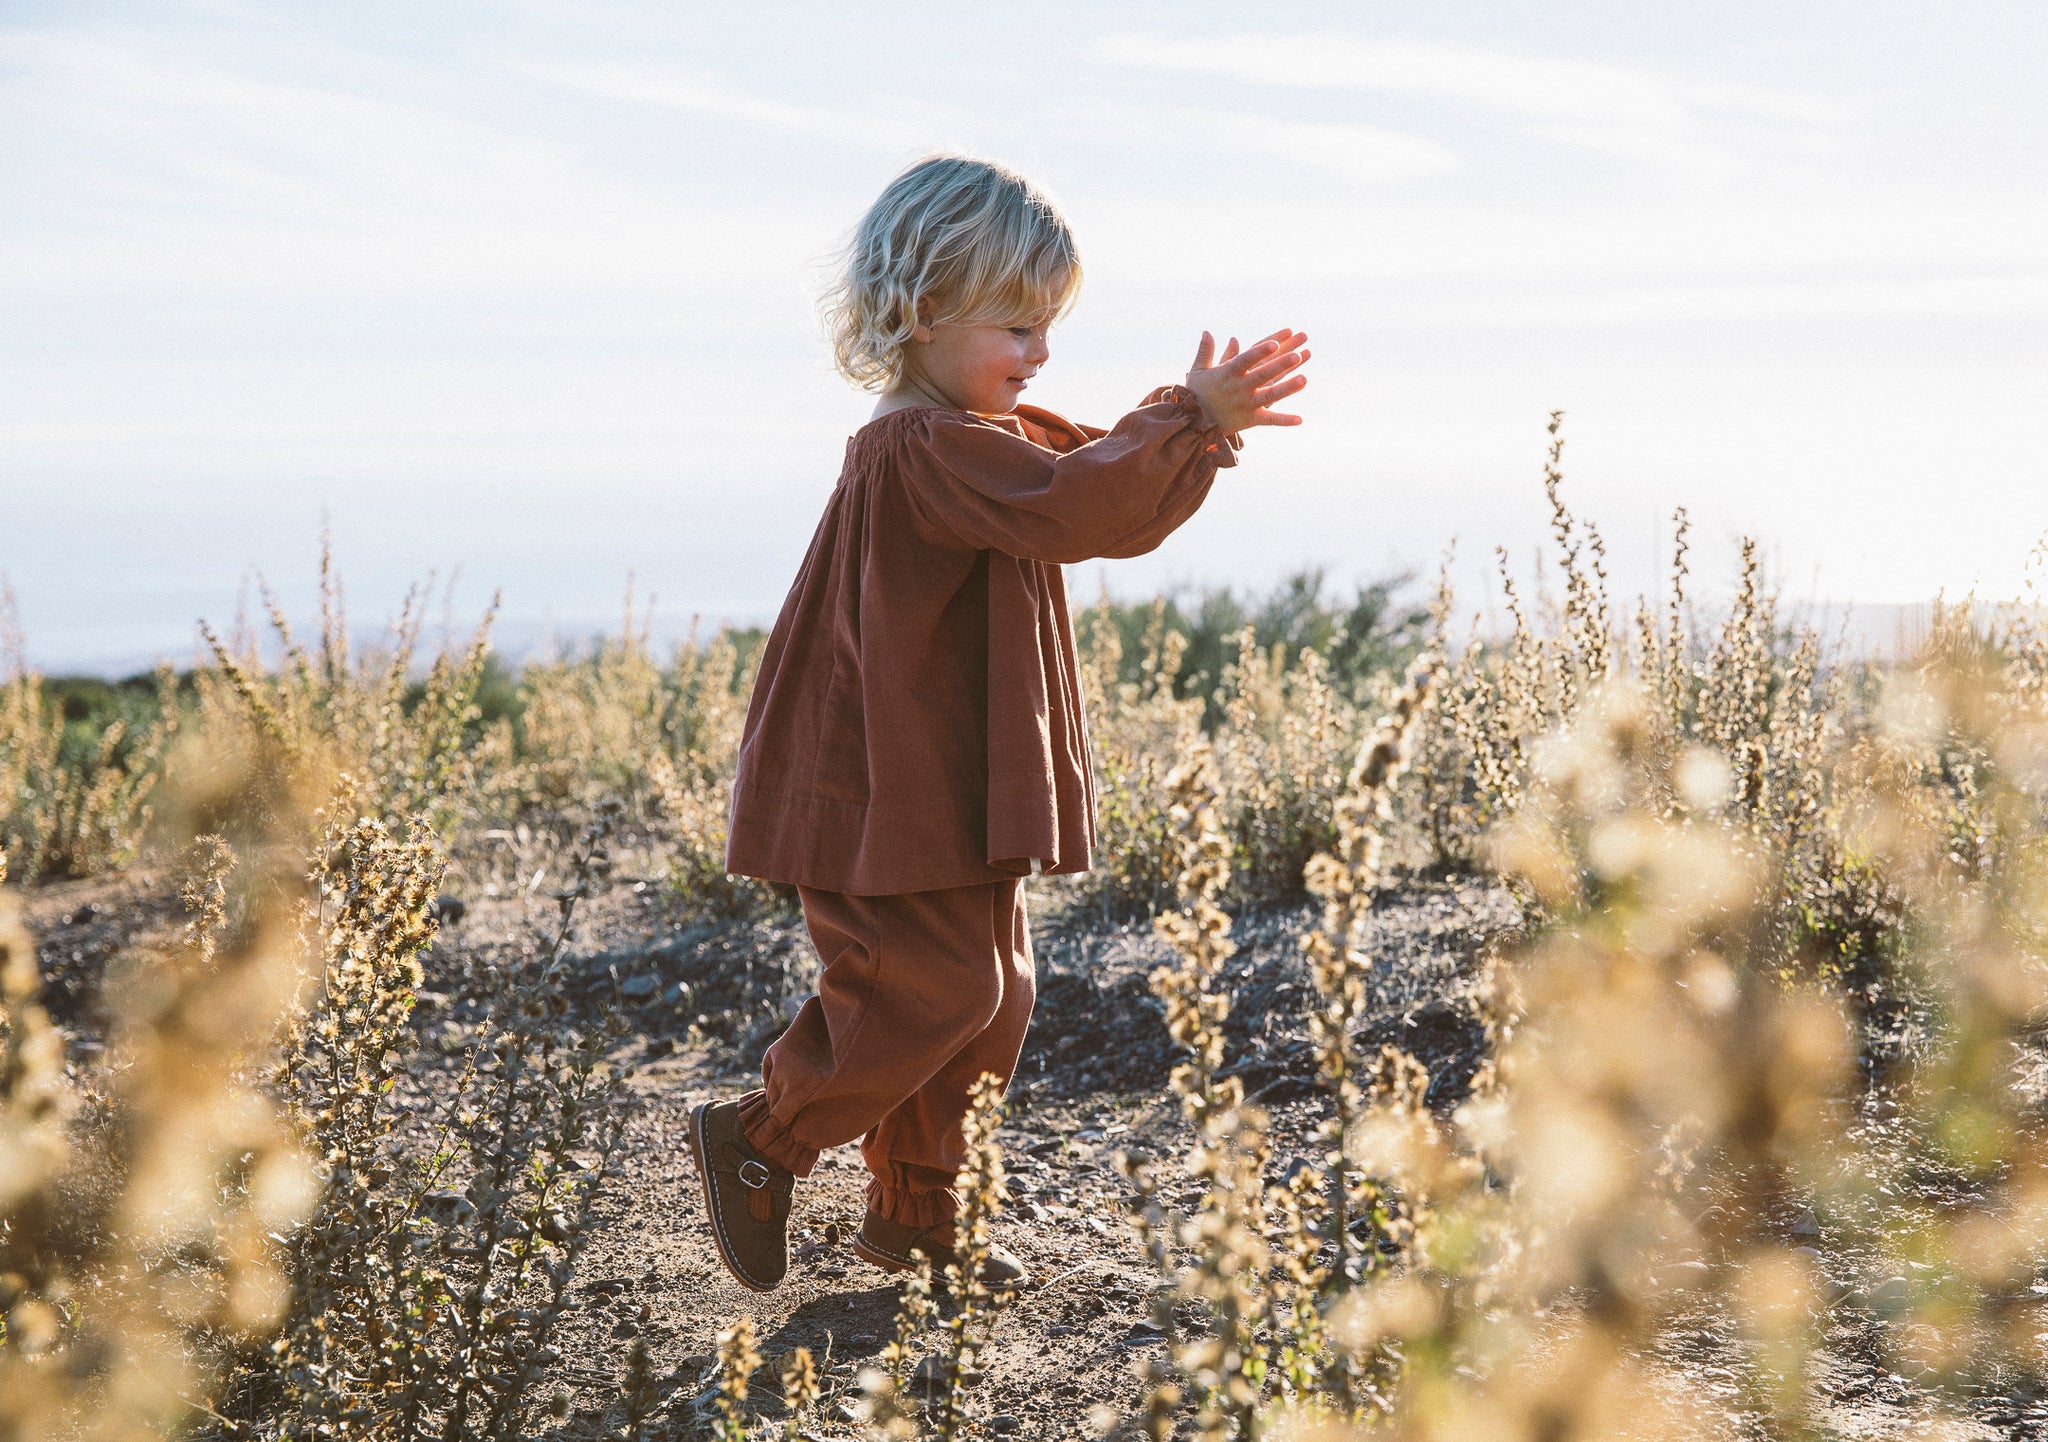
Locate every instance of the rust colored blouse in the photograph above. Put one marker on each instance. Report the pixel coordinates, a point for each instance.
(916, 722)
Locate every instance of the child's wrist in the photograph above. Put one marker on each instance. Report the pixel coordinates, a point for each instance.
(1187, 393)
(1190, 398)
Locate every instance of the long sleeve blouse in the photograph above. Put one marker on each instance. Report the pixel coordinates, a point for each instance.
(916, 721)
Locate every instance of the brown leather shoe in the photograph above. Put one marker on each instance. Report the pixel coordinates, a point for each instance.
(896, 1246)
(746, 1197)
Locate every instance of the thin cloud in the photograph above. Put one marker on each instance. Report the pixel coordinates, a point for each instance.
(182, 170)
(1618, 110)
(664, 87)
(1934, 296)
(1364, 153)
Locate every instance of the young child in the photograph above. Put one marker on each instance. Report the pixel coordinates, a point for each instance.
(915, 744)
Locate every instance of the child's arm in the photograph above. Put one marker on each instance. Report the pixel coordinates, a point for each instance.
(1120, 494)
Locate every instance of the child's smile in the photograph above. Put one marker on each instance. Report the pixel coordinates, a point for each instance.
(979, 368)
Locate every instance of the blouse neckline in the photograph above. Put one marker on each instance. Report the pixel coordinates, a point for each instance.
(950, 410)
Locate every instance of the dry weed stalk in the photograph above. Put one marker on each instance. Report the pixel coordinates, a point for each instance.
(799, 1390)
(637, 1389)
(1224, 1371)
(1346, 880)
(738, 1358)
(983, 1191)
(884, 1388)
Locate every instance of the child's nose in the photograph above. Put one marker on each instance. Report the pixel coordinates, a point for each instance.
(1037, 351)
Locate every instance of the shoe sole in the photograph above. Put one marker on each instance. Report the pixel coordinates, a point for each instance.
(711, 1210)
(890, 1262)
(887, 1261)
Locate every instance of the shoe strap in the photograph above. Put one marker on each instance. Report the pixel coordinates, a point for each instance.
(768, 1188)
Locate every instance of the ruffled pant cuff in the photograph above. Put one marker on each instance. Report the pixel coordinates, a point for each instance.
(912, 1209)
(771, 1138)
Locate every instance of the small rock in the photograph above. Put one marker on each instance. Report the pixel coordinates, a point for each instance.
(1805, 1224)
(449, 910)
(449, 1209)
(1143, 1332)
(1002, 1424)
(639, 987)
(85, 914)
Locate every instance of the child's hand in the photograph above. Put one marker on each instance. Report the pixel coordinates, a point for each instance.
(1236, 391)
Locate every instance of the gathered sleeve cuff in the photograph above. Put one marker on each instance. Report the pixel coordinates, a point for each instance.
(1119, 492)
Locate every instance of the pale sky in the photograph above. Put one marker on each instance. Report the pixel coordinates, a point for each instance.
(525, 291)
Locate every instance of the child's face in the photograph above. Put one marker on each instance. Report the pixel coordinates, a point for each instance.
(980, 368)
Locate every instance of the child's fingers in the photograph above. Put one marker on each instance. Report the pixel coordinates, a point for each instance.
(1205, 350)
(1252, 355)
(1264, 416)
(1229, 351)
(1261, 395)
(1272, 345)
(1282, 340)
(1278, 366)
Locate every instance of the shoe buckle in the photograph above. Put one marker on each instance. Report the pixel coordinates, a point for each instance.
(754, 1174)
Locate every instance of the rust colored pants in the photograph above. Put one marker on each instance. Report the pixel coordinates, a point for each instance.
(921, 993)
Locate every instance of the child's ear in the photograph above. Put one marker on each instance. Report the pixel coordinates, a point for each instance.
(922, 331)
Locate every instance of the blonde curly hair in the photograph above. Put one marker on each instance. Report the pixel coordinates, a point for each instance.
(975, 240)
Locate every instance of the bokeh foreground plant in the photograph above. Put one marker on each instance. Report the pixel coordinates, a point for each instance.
(1666, 1105)
(140, 1209)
